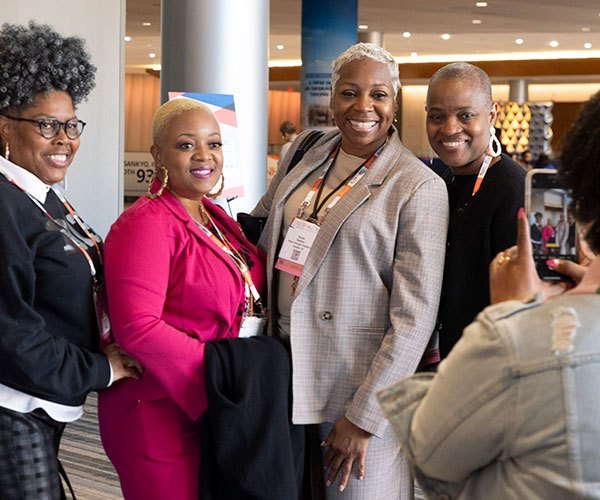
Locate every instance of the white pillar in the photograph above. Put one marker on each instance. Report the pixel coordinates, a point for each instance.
(221, 47)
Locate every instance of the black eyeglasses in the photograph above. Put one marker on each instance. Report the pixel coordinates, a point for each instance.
(50, 127)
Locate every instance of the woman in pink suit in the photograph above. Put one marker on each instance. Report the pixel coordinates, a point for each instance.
(179, 273)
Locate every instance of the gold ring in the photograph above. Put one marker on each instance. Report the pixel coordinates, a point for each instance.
(503, 258)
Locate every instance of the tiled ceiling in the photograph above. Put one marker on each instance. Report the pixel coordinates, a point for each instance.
(473, 30)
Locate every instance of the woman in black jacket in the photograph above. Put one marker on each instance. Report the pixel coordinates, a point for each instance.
(51, 307)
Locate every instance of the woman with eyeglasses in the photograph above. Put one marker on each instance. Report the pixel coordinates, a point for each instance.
(51, 307)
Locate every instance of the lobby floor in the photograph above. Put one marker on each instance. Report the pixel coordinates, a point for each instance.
(90, 472)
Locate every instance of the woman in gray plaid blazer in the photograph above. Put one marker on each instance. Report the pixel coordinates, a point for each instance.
(359, 315)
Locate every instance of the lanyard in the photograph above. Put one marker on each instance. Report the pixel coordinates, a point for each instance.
(482, 171)
(339, 191)
(77, 244)
(250, 292)
(80, 223)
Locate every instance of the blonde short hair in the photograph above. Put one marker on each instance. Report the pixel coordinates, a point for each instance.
(366, 51)
(168, 111)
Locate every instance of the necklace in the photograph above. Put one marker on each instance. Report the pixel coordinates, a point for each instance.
(204, 218)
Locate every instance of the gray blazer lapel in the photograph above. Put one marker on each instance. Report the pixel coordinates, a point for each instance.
(345, 207)
(332, 224)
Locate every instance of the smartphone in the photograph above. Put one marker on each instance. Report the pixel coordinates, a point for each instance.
(552, 225)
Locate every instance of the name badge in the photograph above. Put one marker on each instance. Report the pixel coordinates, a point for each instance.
(296, 246)
(101, 308)
(252, 326)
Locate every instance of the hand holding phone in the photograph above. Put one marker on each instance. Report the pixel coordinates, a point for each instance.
(552, 226)
(513, 273)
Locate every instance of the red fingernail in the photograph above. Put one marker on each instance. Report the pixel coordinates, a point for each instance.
(520, 213)
(552, 264)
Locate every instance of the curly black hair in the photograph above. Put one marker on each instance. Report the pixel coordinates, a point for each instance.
(580, 169)
(35, 59)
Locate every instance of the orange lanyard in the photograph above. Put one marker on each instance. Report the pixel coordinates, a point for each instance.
(340, 190)
(251, 294)
(80, 223)
(482, 171)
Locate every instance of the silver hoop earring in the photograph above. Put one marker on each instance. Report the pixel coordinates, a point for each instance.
(494, 147)
(6, 151)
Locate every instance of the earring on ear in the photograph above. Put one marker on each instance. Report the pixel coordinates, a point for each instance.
(494, 147)
(213, 196)
(162, 187)
(6, 151)
(431, 156)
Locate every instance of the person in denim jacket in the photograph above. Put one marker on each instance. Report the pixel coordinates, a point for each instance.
(514, 411)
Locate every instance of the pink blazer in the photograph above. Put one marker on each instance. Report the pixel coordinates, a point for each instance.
(170, 290)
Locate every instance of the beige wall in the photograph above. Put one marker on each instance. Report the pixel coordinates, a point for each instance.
(142, 98)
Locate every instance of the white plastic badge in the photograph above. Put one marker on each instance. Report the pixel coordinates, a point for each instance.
(298, 242)
(252, 326)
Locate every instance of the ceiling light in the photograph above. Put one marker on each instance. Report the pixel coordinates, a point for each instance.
(587, 45)
(413, 54)
(476, 21)
(363, 26)
(445, 36)
(407, 34)
(586, 29)
(553, 44)
(152, 55)
(280, 46)
(146, 24)
(519, 41)
(480, 4)
(127, 38)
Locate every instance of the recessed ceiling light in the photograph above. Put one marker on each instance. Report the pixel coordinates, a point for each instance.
(413, 54)
(519, 41)
(280, 46)
(587, 45)
(481, 4)
(127, 38)
(363, 26)
(476, 21)
(407, 34)
(445, 36)
(146, 24)
(553, 44)
(586, 29)
(152, 55)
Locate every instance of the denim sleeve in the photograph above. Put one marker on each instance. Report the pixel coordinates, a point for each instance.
(454, 422)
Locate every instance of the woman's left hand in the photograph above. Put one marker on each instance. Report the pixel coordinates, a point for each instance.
(512, 272)
(347, 444)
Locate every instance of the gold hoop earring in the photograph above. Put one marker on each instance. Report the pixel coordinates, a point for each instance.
(213, 196)
(6, 151)
(162, 187)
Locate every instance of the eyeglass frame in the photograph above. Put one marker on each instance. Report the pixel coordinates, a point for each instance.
(40, 121)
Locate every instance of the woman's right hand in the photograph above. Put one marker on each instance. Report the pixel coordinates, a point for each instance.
(123, 365)
(512, 272)
(574, 270)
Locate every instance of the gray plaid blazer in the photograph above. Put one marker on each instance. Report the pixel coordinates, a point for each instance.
(366, 303)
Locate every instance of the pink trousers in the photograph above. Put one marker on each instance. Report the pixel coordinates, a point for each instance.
(154, 446)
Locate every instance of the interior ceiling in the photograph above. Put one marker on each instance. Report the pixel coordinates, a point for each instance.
(572, 23)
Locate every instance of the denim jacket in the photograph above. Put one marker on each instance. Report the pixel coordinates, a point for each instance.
(514, 411)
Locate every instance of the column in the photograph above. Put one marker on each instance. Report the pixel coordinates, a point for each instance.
(221, 48)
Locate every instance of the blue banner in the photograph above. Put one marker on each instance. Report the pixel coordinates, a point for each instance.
(328, 28)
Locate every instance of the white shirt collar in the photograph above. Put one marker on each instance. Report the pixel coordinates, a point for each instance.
(25, 179)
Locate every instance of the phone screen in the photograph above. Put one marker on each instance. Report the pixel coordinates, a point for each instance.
(552, 225)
